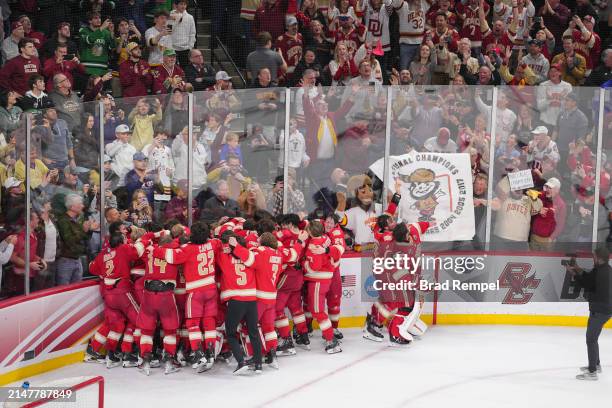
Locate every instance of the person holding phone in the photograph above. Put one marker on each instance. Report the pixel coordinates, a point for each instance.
(96, 43)
(62, 63)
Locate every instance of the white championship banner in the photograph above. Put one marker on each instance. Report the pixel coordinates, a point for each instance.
(437, 188)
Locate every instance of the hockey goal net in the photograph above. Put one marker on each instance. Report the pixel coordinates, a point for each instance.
(88, 392)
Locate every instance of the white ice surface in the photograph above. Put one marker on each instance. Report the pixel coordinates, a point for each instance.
(453, 366)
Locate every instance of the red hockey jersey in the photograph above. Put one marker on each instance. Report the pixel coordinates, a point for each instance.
(320, 267)
(268, 266)
(198, 261)
(113, 264)
(158, 269)
(237, 274)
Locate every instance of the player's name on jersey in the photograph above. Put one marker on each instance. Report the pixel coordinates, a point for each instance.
(426, 286)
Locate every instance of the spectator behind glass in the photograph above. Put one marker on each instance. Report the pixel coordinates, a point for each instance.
(57, 146)
(113, 117)
(121, 152)
(176, 113)
(251, 200)
(96, 43)
(143, 122)
(15, 74)
(480, 207)
(10, 113)
(572, 124)
(87, 144)
(199, 74)
(141, 212)
(15, 277)
(160, 159)
(264, 57)
(10, 45)
(214, 135)
(47, 249)
(230, 147)
(135, 73)
(140, 177)
(201, 159)
(74, 233)
(67, 103)
(221, 198)
(60, 37)
(177, 207)
(61, 63)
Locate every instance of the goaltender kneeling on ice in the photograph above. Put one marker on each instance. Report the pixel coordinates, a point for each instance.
(424, 285)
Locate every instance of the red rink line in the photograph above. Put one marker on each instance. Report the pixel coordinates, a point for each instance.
(324, 376)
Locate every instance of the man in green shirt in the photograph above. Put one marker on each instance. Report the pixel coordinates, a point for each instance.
(96, 44)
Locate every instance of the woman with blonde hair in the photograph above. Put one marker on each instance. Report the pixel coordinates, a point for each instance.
(251, 200)
(342, 68)
(140, 209)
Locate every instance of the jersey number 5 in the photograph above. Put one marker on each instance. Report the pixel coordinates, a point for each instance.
(242, 277)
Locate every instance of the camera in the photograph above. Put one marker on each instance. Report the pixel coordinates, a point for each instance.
(569, 262)
(39, 119)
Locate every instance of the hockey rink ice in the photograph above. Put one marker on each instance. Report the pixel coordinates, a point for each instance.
(453, 366)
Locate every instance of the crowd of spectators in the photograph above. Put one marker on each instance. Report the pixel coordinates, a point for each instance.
(140, 61)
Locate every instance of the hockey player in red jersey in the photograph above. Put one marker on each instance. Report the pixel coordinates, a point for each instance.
(289, 293)
(268, 266)
(394, 306)
(158, 303)
(334, 295)
(198, 260)
(113, 267)
(321, 259)
(239, 290)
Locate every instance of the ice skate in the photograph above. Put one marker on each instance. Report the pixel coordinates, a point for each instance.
(131, 360)
(271, 359)
(169, 364)
(586, 369)
(92, 356)
(207, 362)
(397, 341)
(145, 367)
(112, 359)
(303, 341)
(332, 346)
(242, 368)
(338, 334)
(587, 376)
(196, 357)
(225, 357)
(372, 331)
(181, 358)
(285, 347)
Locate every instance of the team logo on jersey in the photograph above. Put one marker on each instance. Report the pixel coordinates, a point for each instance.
(520, 286)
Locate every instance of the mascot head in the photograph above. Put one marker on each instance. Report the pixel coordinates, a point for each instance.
(361, 187)
(421, 183)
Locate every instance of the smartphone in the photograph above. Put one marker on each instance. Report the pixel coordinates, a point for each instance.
(68, 57)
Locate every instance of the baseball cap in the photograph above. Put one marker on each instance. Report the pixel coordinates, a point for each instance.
(290, 20)
(122, 129)
(107, 158)
(553, 182)
(556, 66)
(16, 25)
(131, 46)
(222, 76)
(540, 130)
(535, 41)
(139, 156)
(169, 52)
(11, 182)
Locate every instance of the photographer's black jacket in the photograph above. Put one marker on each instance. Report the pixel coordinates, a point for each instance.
(598, 285)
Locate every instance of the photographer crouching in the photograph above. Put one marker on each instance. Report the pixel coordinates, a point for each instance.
(597, 284)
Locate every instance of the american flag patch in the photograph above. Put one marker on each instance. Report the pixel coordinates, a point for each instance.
(349, 280)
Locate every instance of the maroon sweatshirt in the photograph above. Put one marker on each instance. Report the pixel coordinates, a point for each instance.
(136, 78)
(16, 72)
(544, 226)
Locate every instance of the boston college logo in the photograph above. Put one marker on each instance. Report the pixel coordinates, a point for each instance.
(514, 277)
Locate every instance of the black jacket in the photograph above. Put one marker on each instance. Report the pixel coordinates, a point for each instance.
(207, 73)
(597, 284)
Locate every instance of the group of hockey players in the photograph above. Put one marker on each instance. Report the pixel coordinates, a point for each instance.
(185, 296)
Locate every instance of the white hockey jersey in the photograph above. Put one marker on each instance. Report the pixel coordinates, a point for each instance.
(412, 19)
(377, 23)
